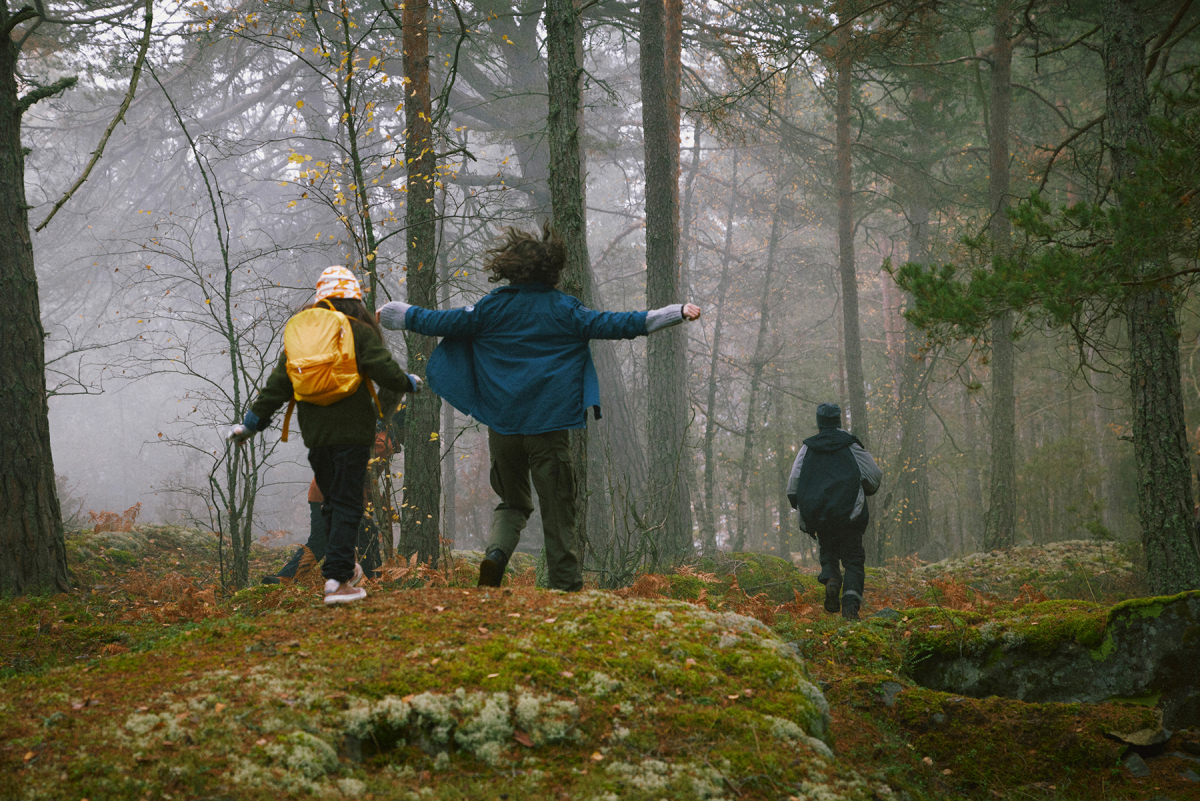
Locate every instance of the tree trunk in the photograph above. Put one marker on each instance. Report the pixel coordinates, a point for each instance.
(1001, 530)
(1169, 535)
(912, 473)
(31, 529)
(449, 433)
(669, 505)
(756, 370)
(855, 380)
(422, 452)
(710, 410)
(564, 48)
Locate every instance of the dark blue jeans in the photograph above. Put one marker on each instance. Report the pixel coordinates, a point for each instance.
(844, 544)
(340, 471)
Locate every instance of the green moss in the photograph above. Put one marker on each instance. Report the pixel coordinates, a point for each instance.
(757, 573)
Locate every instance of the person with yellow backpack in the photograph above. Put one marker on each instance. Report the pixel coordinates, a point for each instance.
(333, 351)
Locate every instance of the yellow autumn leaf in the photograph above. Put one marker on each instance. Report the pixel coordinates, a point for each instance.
(433, 436)
(299, 104)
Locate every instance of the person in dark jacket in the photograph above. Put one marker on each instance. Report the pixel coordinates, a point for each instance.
(830, 480)
(339, 436)
(518, 362)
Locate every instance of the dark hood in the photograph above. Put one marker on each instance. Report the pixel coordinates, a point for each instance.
(830, 440)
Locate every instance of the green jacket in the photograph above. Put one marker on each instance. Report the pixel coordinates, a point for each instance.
(350, 421)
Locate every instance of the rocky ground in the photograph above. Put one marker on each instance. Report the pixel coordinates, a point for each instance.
(725, 679)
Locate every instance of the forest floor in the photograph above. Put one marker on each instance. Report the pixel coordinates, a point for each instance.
(147, 682)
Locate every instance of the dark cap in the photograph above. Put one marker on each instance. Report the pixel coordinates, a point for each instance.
(829, 415)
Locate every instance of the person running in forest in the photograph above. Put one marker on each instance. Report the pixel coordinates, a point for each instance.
(387, 441)
(339, 436)
(518, 361)
(828, 485)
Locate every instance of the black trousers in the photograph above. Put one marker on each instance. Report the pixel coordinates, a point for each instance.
(844, 545)
(340, 471)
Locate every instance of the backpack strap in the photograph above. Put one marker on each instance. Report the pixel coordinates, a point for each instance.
(287, 418)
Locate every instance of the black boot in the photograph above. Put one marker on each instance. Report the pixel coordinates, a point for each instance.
(850, 605)
(491, 569)
(287, 571)
(833, 594)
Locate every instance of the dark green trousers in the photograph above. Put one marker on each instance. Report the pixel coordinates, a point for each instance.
(546, 459)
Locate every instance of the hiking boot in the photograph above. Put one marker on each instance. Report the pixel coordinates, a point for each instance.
(833, 596)
(850, 606)
(338, 592)
(491, 569)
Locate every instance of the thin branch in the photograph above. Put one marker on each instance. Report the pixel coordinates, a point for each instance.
(112, 126)
(1068, 45)
(1166, 34)
(1067, 141)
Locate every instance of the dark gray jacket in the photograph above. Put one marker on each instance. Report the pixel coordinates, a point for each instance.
(869, 476)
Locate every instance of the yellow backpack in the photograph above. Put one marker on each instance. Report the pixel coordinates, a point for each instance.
(319, 344)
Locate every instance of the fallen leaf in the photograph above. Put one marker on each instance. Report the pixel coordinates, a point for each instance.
(143, 709)
(733, 697)
(219, 708)
(748, 693)
(483, 630)
(688, 663)
(550, 619)
(523, 738)
(260, 741)
(514, 614)
(492, 675)
(927, 761)
(435, 661)
(439, 609)
(946, 771)
(597, 756)
(566, 674)
(29, 755)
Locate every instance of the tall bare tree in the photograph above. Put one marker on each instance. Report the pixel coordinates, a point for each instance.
(669, 503)
(421, 518)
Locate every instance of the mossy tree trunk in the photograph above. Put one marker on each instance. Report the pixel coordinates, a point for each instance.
(1001, 528)
(564, 48)
(1164, 486)
(31, 530)
(669, 507)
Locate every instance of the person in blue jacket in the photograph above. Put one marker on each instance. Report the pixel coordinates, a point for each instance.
(518, 361)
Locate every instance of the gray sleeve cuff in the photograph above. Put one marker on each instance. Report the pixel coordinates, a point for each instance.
(667, 316)
(391, 315)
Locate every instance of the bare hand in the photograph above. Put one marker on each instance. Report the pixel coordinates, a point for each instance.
(691, 311)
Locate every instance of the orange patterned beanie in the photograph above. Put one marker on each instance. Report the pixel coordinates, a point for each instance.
(338, 282)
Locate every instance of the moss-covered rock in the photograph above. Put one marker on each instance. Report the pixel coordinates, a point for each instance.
(1066, 651)
(449, 691)
(757, 573)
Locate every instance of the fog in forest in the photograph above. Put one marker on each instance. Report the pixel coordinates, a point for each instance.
(266, 142)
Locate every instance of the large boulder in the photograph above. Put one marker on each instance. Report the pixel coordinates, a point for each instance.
(434, 693)
(1144, 650)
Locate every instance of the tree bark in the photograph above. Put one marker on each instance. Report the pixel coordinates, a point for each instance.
(669, 505)
(855, 380)
(757, 365)
(421, 518)
(1169, 535)
(564, 48)
(31, 530)
(1001, 528)
(709, 524)
(912, 474)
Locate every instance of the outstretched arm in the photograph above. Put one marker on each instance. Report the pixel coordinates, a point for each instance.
(399, 316)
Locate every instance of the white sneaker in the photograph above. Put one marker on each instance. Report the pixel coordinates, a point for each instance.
(337, 592)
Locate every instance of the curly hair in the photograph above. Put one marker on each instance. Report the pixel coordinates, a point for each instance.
(521, 257)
